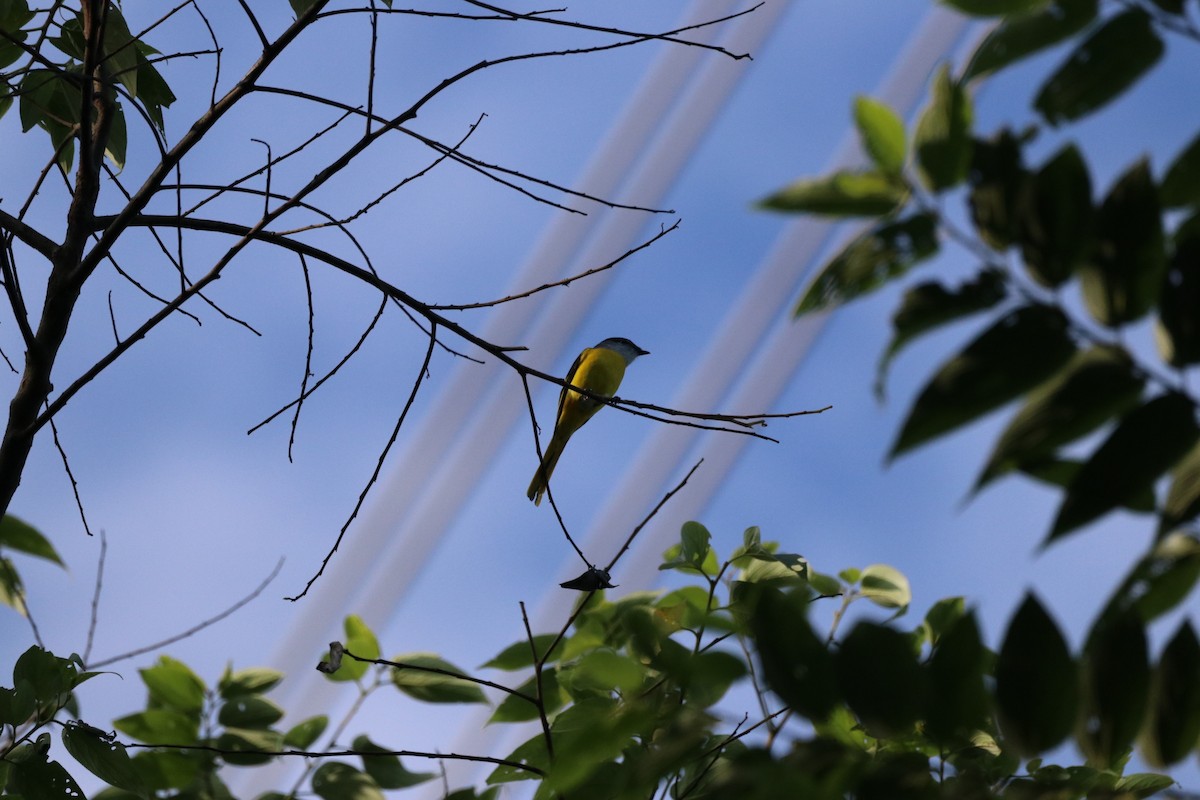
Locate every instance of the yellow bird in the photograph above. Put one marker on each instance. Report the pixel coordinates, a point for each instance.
(598, 370)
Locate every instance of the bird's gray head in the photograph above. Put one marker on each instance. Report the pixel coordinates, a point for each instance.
(627, 349)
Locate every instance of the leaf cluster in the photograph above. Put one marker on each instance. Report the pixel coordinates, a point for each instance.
(1063, 275)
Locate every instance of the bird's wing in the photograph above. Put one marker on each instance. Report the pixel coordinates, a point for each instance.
(562, 395)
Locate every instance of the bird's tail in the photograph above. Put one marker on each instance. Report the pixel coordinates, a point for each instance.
(537, 487)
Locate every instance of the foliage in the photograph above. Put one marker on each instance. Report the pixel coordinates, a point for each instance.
(1088, 270)
(633, 695)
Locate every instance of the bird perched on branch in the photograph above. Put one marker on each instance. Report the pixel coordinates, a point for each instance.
(598, 370)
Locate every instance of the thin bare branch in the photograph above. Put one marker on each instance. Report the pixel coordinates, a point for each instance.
(633, 534)
(308, 351)
(95, 615)
(412, 396)
(192, 631)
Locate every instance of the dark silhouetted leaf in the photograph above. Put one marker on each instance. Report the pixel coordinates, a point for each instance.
(1036, 682)
(886, 251)
(108, 761)
(1181, 183)
(882, 134)
(1095, 386)
(1174, 725)
(1178, 324)
(1101, 68)
(795, 662)
(1056, 219)
(1123, 278)
(867, 193)
(881, 679)
(1148, 441)
(1061, 471)
(994, 8)
(1116, 684)
(1022, 35)
(1020, 351)
(997, 178)
(929, 305)
(942, 141)
(384, 768)
(958, 702)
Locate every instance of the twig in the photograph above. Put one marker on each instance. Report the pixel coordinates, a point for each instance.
(70, 476)
(412, 396)
(540, 703)
(650, 516)
(95, 615)
(308, 351)
(192, 631)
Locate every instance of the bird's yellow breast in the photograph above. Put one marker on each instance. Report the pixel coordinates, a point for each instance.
(598, 370)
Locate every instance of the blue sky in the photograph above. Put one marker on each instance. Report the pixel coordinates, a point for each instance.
(197, 513)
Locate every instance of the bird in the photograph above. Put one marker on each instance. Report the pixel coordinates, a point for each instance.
(598, 370)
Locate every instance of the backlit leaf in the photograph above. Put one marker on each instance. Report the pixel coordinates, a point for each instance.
(885, 586)
(418, 681)
(16, 534)
(520, 654)
(334, 780)
(385, 768)
(174, 685)
(864, 193)
(882, 134)
(1017, 353)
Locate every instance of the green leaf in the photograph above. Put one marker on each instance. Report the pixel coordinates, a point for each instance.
(1018, 352)
(1111, 60)
(40, 779)
(942, 142)
(927, 306)
(958, 703)
(1181, 183)
(153, 92)
(1163, 578)
(18, 535)
(300, 7)
(796, 664)
(1174, 725)
(160, 726)
(1143, 784)
(605, 670)
(252, 681)
(994, 8)
(997, 178)
(361, 641)
(515, 708)
(45, 675)
(334, 780)
(1095, 386)
(694, 543)
(12, 590)
(849, 193)
(1116, 683)
(1020, 36)
(886, 586)
(173, 684)
(170, 769)
(1056, 220)
(108, 761)
(885, 251)
(882, 133)
(943, 615)
(1177, 329)
(1183, 498)
(520, 654)
(1148, 441)
(1122, 280)
(881, 680)
(249, 748)
(303, 735)
(385, 768)
(1036, 682)
(417, 680)
(254, 711)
